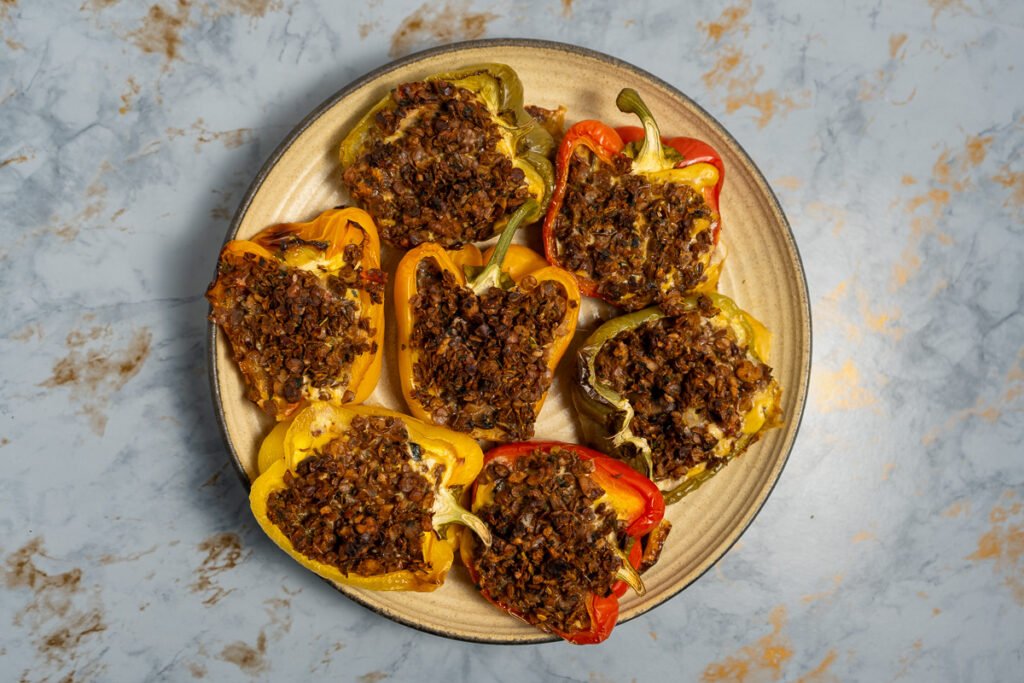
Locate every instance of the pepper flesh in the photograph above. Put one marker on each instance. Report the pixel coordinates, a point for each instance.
(686, 161)
(637, 503)
(599, 405)
(504, 265)
(317, 247)
(316, 426)
(524, 141)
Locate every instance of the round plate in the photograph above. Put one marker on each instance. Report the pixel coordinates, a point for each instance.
(762, 272)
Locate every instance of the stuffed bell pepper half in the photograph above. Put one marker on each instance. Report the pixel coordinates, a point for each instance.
(302, 307)
(365, 496)
(678, 393)
(447, 159)
(635, 216)
(566, 524)
(479, 335)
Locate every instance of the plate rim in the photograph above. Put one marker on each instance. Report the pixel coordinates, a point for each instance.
(519, 43)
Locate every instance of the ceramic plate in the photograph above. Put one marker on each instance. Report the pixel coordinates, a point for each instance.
(762, 273)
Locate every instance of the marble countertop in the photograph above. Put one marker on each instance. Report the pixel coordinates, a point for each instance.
(892, 547)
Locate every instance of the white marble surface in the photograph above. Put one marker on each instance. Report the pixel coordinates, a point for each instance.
(893, 546)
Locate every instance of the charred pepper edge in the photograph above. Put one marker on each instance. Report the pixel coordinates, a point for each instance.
(594, 402)
(499, 88)
(317, 425)
(606, 143)
(619, 482)
(517, 263)
(336, 228)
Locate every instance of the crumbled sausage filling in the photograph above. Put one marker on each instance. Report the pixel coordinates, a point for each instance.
(432, 172)
(289, 330)
(689, 382)
(553, 544)
(362, 503)
(482, 361)
(551, 120)
(636, 240)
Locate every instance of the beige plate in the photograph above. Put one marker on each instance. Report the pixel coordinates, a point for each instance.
(763, 273)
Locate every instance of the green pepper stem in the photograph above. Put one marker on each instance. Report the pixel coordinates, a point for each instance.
(490, 276)
(448, 511)
(651, 156)
(628, 573)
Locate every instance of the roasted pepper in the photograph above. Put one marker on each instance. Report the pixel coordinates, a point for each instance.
(448, 159)
(566, 522)
(608, 417)
(302, 305)
(625, 251)
(514, 269)
(338, 521)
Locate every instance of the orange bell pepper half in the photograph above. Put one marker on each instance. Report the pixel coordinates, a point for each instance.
(293, 256)
(505, 265)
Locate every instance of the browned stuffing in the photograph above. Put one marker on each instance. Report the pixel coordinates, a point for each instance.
(551, 120)
(628, 235)
(681, 374)
(552, 547)
(361, 504)
(482, 360)
(443, 180)
(288, 329)
(653, 544)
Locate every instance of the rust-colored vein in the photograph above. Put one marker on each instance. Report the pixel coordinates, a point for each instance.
(820, 673)
(20, 159)
(1014, 182)
(128, 96)
(160, 31)
(763, 660)
(896, 43)
(729, 21)
(94, 371)
(841, 390)
(828, 594)
(953, 173)
(223, 553)
(62, 615)
(252, 659)
(231, 139)
(989, 410)
(735, 77)
(251, 8)
(951, 6)
(433, 25)
(1003, 545)
(97, 5)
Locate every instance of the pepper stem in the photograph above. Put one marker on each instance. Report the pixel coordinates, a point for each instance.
(448, 511)
(628, 573)
(651, 156)
(490, 276)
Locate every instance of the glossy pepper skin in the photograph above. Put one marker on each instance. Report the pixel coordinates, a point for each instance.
(596, 402)
(636, 500)
(524, 142)
(317, 246)
(504, 265)
(660, 159)
(290, 443)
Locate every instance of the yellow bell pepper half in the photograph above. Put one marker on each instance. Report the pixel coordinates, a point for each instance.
(320, 423)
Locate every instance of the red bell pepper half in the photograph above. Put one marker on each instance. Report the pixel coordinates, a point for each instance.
(659, 159)
(635, 500)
